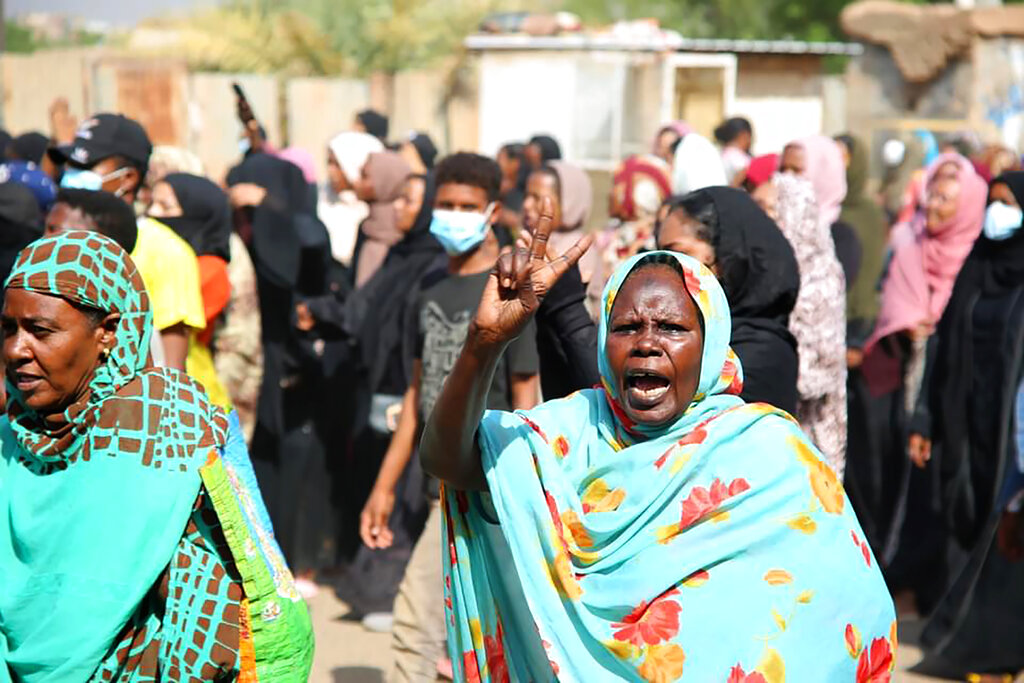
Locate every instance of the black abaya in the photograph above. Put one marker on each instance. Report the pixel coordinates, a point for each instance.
(978, 625)
(292, 443)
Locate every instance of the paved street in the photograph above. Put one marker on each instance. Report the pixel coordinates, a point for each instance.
(346, 653)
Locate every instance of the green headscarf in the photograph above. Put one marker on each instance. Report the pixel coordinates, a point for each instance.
(868, 222)
(94, 502)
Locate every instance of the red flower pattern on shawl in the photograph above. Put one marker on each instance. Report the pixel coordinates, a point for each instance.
(738, 675)
(470, 669)
(875, 664)
(864, 549)
(696, 436)
(702, 502)
(494, 650)
(650, 624)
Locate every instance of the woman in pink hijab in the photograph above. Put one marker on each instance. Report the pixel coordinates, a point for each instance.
(926, 255)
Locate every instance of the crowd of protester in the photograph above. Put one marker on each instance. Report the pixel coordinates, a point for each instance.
(334, 320)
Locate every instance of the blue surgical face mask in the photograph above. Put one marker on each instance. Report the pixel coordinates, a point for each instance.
(1002, 221)
(85, 179)
(460, 232)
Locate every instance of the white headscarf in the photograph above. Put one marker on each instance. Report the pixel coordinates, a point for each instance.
(352, 149)
(698, 164)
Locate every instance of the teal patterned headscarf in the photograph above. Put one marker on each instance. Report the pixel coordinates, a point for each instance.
(95, 502)
(86, 269)
(719, 547)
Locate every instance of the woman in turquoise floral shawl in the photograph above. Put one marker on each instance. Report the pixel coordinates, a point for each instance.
(656, 528)
(134, 545)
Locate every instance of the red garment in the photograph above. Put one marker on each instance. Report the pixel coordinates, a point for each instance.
(216, 290)
(762, 169)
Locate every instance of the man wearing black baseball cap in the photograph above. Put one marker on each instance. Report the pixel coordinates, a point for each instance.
(110, 152)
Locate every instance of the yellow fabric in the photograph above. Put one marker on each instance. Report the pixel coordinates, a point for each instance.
(199, 366)
(170, 271)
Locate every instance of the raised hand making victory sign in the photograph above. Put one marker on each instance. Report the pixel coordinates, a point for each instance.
(518, 284)
(521, 279)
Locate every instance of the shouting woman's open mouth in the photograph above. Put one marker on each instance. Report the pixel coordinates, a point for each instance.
(645, 388)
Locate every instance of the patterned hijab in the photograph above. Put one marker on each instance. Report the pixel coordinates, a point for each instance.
(100, 494)
(77, 267)
(721, 544)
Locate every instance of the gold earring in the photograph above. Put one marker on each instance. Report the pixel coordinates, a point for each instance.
(105, 354)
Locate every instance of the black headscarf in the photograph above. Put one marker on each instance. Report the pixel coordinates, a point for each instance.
(978, 364)
(28, 147)
(271, 235)
(375, 124)
(21, 222)
(286, 187)
(424, 148)
(290, 253)
(205, 222)
(388, 298)
(1002, 263)
(549, 149)
(759, 273)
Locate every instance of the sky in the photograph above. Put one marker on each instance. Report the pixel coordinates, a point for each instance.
(118, 12)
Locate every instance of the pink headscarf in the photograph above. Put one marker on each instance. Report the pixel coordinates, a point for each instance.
(925, 263)
(302, 159)
(826, 170)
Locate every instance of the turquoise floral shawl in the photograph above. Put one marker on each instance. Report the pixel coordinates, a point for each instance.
(718, 548)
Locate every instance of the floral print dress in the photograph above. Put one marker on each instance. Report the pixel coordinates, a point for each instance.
(721, 547)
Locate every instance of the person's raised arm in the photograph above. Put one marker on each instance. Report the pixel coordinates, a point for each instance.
(514, 290)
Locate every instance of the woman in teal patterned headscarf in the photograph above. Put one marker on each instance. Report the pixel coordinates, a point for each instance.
(657, 528)
(133, 542)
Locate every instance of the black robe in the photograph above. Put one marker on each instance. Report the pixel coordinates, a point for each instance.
(290, 251)
(978, 624)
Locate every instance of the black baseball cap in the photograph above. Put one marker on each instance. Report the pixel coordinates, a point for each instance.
(102, 136)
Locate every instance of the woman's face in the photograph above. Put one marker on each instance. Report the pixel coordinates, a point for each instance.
(534, 157)
(949, 170)
(339, 183)
(539, 186)
(654, 346)
(794, 160)
(364, 187)
(666, 139)
(942, 201)
(409, 203)
(679, 232)
(51, 348)
(766, 195)
(1000, 192)
(165, 202)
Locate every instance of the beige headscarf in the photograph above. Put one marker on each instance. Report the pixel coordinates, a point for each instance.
(387, 172)
(576, 200)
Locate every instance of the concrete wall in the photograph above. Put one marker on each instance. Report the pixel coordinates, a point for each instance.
(31, 82)
(998, 93)
(320, 108)
(782, 95)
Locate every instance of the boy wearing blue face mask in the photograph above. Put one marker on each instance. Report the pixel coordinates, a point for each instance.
(465, 209)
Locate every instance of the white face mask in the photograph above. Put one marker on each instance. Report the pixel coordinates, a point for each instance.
(1002, 221)
(86, 179)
